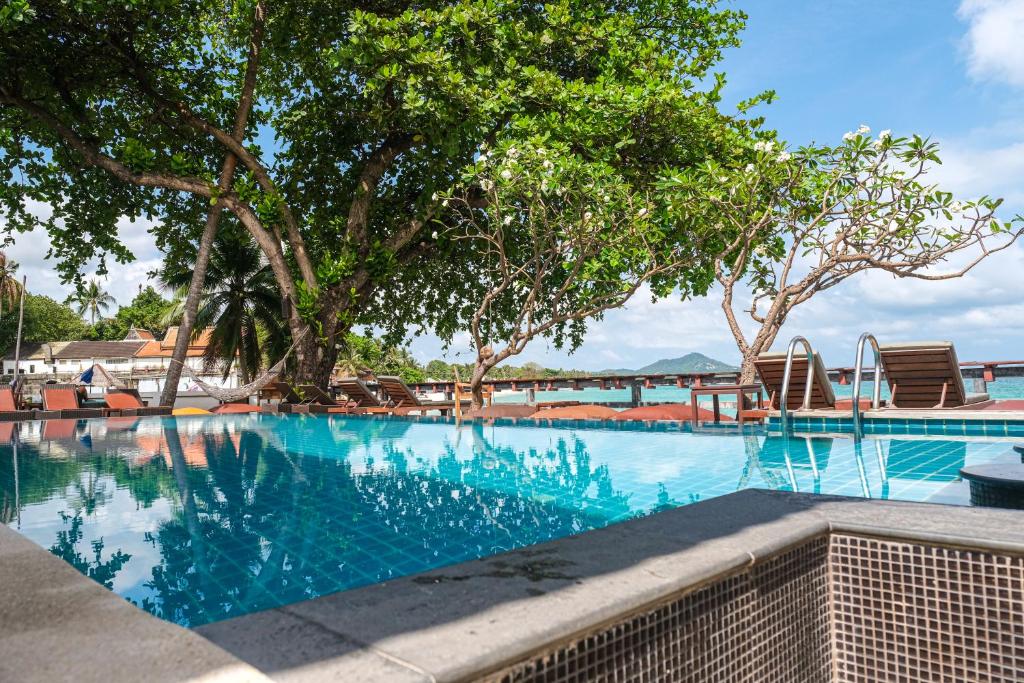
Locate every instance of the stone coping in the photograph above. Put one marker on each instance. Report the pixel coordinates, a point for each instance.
(454, 623)
(458, 623)
(58, 625)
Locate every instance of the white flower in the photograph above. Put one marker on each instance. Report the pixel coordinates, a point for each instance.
(506, 174)
(877, 144)
(749, 168)
(848, 136)
(893, 226)
(547, 164)
(512, 153)
(544, 186)
(784, 157)
(433, 235)
(486, 185)
(642, 212)
(587, 216)
(723, 179)
(769, 146)
(863, 129)
(956, 207)
(433, 197)
(541, 151)
(559, 191)
(484, 157)
(885, 134)
(444, 203)
(508, 220)
(759, 146)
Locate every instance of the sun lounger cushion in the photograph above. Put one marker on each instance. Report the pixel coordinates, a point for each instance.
(7, 404)
(122, 401)
(925, 374)
(64, 398)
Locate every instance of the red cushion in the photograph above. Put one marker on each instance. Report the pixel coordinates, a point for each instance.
(116, 399)
(7, 400)
(60, 399)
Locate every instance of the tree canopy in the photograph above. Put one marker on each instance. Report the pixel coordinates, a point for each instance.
(112, 109)
(45, 321)
(797, 222)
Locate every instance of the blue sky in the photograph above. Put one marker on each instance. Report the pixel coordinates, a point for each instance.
(952, 70)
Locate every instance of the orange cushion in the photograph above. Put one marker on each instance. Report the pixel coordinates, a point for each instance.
(7, 400)
(583, 412)
(122, 401)
(60, 399)
(669, 411)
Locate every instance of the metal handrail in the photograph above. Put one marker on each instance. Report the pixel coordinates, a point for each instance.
(784, 392)
(858, 372)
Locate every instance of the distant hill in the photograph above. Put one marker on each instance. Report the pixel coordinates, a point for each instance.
(691, 363)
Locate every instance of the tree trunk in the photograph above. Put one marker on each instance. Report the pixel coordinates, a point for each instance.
(314, 361)
(476, 383)
(170, 392)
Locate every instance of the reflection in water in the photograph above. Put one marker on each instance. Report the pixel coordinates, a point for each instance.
(203, 519)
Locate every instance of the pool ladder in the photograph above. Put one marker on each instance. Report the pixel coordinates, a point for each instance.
(858, 422)
(787, 372)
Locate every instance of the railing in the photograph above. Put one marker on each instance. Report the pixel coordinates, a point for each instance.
(876, 395)
(784, 391)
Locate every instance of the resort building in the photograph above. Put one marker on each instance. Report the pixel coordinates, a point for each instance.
(139, 358)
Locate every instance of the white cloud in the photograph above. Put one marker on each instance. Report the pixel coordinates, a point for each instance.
(122, 281)
(993, 44)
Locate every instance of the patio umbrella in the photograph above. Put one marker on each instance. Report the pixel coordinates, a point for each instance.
(99, 376)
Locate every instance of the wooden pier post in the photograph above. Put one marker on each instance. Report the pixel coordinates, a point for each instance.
(634, 393)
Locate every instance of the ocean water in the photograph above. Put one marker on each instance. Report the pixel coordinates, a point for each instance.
(1004, 388)
(206, 518)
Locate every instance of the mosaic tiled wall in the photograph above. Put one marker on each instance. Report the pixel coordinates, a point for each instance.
(912, 612)
(766, 624)
(847, 608)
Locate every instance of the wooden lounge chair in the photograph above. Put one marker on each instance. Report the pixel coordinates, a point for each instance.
(358, 393)
(63, 399)
(926, 375)
(402, 401)
(9, 406)
(319, 401)
(129, 403)
(770, 368)
(283, 391)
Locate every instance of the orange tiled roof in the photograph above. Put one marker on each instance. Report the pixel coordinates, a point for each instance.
(165, 348)
(200, 343)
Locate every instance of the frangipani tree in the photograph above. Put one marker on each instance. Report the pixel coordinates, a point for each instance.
(558, 239)
(803, 221)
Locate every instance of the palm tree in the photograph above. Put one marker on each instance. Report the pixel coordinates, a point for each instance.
(10, 288)
(92, 299)
(240, 302)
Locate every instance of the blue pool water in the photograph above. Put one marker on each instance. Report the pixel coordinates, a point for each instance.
(202, 519)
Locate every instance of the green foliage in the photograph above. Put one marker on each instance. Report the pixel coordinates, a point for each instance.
(362, 354)
(147, 311)
(45, 321)
(92, 300)
(377, 115)
(440, 370)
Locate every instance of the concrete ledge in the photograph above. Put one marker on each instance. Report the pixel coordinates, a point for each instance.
(455, 623)
(461, 622)
(58, 625)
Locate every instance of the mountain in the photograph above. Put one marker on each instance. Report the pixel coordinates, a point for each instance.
(691, 363)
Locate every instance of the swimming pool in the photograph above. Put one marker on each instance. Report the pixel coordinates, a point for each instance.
(201, 519)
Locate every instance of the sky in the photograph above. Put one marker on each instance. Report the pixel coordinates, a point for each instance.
(949, 69)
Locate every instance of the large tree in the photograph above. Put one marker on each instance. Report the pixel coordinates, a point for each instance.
(796, 223)
(561, 239)
(364, 114)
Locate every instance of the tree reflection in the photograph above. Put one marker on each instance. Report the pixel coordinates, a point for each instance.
(96, 568)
